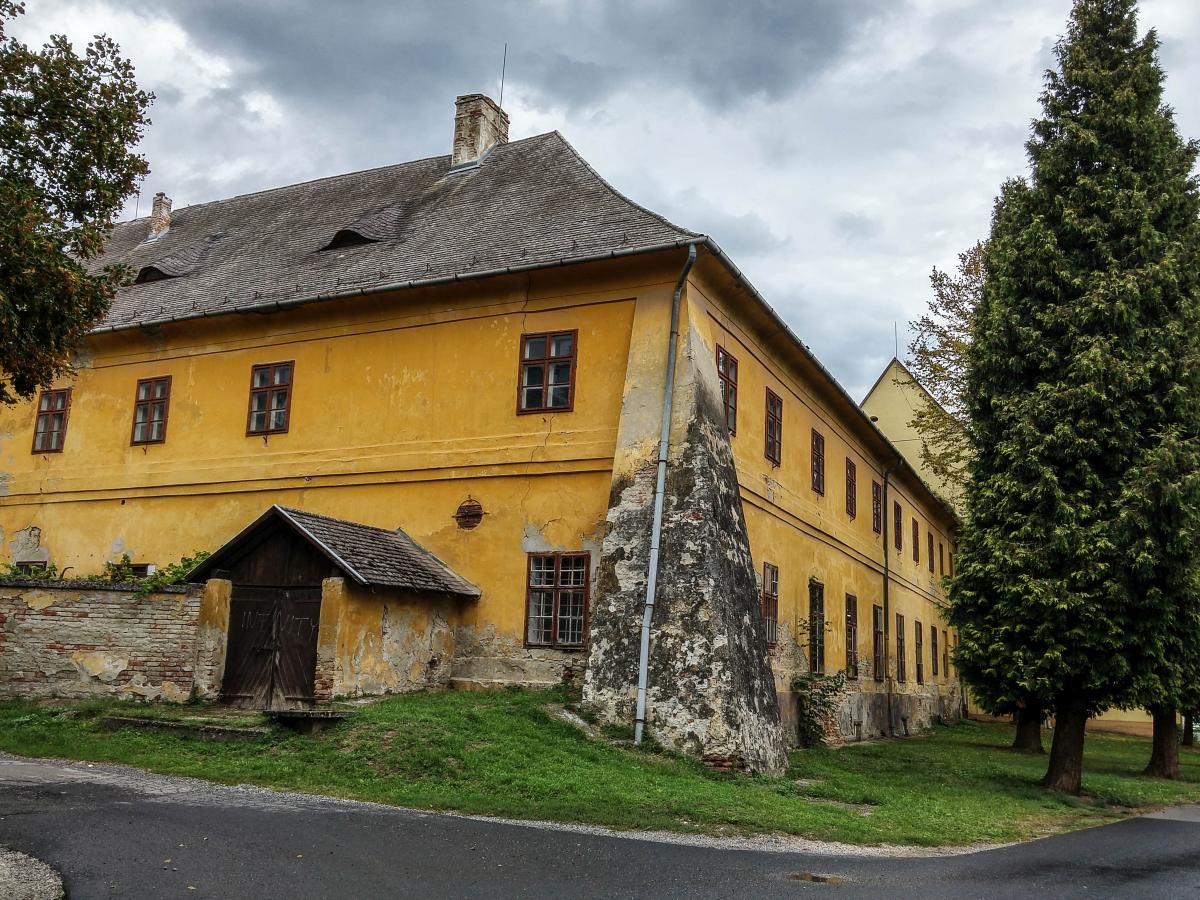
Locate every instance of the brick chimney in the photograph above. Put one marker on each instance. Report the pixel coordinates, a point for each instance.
(160, 217)
(479, 124)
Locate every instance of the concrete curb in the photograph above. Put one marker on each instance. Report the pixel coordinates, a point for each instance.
(25, 878)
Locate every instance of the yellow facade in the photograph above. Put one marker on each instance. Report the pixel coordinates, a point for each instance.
(404, 406)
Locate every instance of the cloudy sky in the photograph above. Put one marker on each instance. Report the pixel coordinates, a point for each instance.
(837, 149)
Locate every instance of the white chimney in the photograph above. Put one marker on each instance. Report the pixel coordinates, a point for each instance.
(479, 124)
(160, 217)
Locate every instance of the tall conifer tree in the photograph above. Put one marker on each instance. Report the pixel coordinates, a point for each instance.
(1077, 555)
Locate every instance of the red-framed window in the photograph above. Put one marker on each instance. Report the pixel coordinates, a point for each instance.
(727, 372)
(270, 398)
(930, 554)
(770, 602)
(50, 426)
(876, 507)
(547, 380)
(933, 650)
(851, 636)
(877, 643)
(919, 649)
(816, 628)
(556, 600)
(774, 434)
(151, 402)
(897, 526)
(818, 462)
(901, 663)
(851, 488)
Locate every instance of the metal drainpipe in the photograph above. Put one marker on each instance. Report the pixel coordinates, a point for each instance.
(887, 606)
(664, 441)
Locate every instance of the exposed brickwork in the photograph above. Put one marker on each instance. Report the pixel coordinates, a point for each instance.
(97, 640)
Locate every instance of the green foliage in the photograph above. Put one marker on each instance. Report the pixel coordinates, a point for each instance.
(67, 123)
(13, 573)
(119, 572)
(817, 701)
(938, 362)
(1075, 576)
(174, 573)
(505, 754)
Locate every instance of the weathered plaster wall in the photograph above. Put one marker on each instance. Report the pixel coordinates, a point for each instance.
(710, 689)
(383, 642)
(96, 641)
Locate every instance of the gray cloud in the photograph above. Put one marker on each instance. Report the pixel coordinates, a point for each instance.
(837, 149)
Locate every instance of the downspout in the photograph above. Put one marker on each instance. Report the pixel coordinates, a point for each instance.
(664, 441)
(887, 605)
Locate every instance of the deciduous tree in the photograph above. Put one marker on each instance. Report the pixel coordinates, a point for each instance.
(67, 126)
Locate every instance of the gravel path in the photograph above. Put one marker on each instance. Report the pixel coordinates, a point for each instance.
(25, 878)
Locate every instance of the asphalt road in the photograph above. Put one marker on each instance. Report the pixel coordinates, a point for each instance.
(116, 832)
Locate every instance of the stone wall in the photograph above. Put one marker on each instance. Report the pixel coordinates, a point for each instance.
(98, 640)
(710, 691)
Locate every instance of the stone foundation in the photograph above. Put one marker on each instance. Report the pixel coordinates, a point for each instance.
(484, 660)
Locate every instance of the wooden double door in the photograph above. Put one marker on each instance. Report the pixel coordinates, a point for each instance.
(271, 657)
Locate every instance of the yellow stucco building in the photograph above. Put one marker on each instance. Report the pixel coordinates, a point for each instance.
(473, 348)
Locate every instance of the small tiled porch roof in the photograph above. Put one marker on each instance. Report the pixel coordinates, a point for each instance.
(367, 555)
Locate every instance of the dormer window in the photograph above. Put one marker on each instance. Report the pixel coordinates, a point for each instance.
(148, 274)
(347, 237)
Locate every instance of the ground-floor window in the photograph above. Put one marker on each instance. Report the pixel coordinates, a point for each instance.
(901, 667)
(770, 602)
(877, 642)
(851, 636)
(557, 599)
(919, 647)
(816, 627)
(933, 650)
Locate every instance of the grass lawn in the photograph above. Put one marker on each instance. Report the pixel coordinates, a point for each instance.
(504, 754)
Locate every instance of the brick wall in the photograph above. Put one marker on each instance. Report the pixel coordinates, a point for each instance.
(97, 640)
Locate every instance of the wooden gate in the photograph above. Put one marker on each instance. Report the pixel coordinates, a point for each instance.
(271, 659)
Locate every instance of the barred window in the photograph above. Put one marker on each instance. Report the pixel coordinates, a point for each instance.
(919, 649)
(270, 398)
(774, 439)
(727, 372)
(557, 599)
(818, 462)
(851, 636)
(50, 427)
(151, 401)
(851, 488)
(547, 372)
(877, 640)
(816, 627)
(933, 650)
(876, 507)
(901, 665)
(770, 602)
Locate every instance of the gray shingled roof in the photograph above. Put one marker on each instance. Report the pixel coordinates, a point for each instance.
(530, 202)
(368, 555)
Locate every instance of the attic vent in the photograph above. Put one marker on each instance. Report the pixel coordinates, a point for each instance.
(348, 237)
(469, 514)
(151, 273)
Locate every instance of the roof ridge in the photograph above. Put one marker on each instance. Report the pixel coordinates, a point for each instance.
(366, 171)
(620, 196)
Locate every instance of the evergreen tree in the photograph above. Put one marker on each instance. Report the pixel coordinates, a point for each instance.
(1076, 558)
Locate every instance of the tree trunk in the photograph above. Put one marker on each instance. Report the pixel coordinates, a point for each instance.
(1065, 772)
(1189, 735)
(1028, 738)
(1164, 757)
